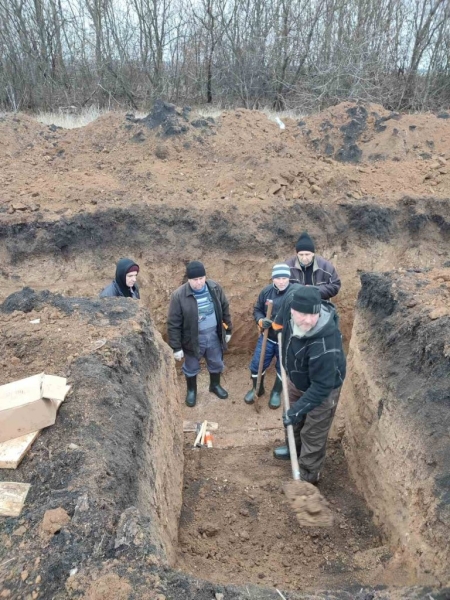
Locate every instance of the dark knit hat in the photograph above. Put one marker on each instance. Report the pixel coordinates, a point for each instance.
(304, 243)
(307, 300)
(195, 269)
(133, 269)
(281, 270)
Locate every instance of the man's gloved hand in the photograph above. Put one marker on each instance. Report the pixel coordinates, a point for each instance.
(227, 337)
(287, 420)
(265, 323)
(178, 355)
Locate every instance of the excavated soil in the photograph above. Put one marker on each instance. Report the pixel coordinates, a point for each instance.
(234, 193)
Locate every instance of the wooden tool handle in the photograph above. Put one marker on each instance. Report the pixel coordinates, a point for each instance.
(201, 434)
(202, 439)
(289, 428)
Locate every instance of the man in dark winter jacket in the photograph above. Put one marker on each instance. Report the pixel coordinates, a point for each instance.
(309, 269)
(124, 283)
(199, 325)
(276, 292)
(314, 361)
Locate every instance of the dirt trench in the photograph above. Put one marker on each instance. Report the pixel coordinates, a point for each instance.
(234, 526)
(118, 440)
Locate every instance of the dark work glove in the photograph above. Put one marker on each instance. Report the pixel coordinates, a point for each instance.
(287, 420)
(265, 323)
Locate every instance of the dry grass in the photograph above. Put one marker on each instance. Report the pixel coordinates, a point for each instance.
(209, 111)
(69, 118)
(284, 114)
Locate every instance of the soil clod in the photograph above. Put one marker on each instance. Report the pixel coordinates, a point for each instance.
(308, 504)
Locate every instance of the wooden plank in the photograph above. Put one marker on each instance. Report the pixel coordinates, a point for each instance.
(21, 392)
(54, 387)
(13, 451)
(12, 498)
(192, 425)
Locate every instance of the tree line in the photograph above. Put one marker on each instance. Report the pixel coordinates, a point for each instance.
(298, 54)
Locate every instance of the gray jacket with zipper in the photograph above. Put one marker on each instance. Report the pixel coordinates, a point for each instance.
(324, 276)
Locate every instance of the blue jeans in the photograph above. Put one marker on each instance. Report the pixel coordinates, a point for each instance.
(210, 349)
(271, 352)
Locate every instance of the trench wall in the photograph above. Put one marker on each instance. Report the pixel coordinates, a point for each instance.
(114, 459)
(395, 406)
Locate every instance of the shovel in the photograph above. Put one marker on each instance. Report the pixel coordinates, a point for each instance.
(262, 355)
(308, 504)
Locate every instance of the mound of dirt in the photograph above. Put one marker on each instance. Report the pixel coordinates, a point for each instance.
(368, 133)
(243, 161)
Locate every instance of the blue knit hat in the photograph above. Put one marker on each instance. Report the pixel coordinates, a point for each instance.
(281, 270)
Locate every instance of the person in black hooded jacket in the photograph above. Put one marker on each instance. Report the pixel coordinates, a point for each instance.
(314, 361)
(124, 283)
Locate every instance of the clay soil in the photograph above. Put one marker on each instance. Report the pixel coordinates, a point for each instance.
(372, 188)
(236, 525)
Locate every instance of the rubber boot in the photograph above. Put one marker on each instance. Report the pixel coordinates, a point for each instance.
(215, 387)
(275, 394)
(282, 452)
(191, 396)
(249, 397)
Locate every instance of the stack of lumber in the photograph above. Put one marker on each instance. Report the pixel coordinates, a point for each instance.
(27, 406)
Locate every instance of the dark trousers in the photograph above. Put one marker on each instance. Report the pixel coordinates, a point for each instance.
(271, 352)
(210, 349)
(311, 433)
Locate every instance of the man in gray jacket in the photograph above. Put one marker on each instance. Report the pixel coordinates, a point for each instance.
(307, 268)
(199, 325)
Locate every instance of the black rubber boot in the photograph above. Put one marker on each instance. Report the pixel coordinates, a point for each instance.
(215, 387)
(191, 396)
(249, 397)
(275, 394)
(282, 453)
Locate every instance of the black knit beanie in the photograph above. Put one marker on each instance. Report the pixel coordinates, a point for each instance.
(304, 243)
(307, 300)
(195, 269)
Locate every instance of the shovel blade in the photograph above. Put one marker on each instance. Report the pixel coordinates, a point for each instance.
(308, 504)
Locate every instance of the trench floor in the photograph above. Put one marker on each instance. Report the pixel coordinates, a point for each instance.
(235, 525)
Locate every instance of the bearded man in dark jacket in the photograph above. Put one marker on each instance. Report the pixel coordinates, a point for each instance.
(314, 361)
(307, 268)
(274, 292)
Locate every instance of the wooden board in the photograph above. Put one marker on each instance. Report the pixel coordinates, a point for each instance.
(12, 498)
(23, 391)
(54, 387)
(30, 404)
(192, 426)
(13, 451)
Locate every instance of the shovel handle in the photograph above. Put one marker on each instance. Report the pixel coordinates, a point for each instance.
(290, 430)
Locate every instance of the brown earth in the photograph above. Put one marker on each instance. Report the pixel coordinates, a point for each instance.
(235, 193)
(402, 330)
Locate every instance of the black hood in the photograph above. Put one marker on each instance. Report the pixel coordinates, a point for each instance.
(122, 268)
